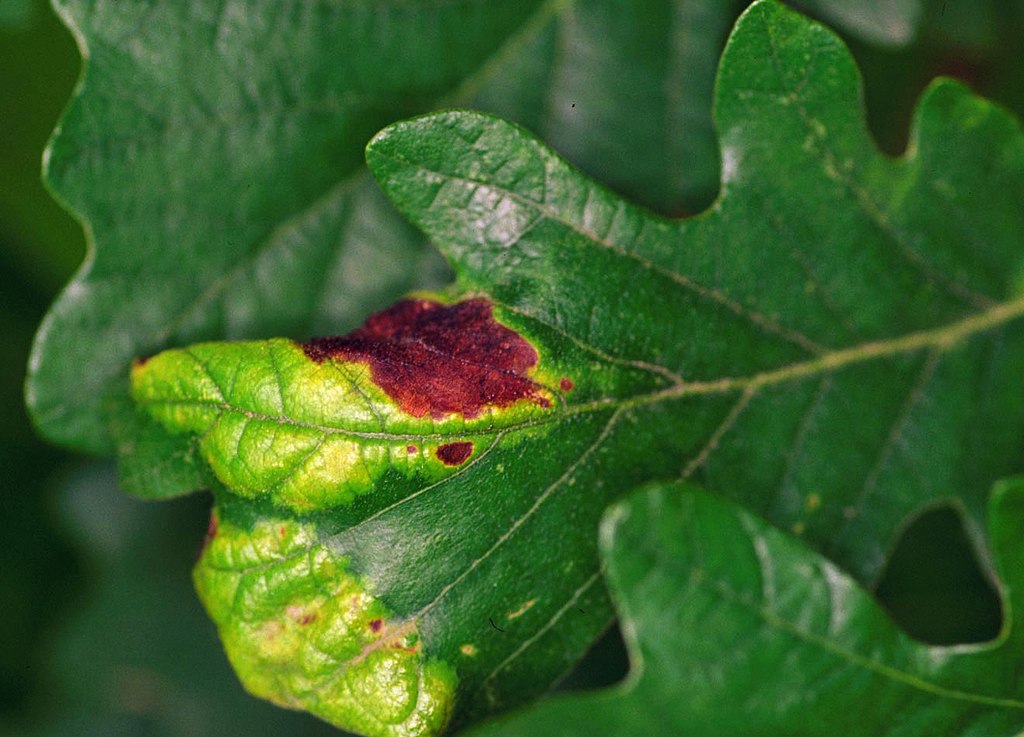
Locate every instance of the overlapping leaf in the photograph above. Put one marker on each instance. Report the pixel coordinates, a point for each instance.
(844, 329)
(734, 627)
(836, 343)
(213, 153)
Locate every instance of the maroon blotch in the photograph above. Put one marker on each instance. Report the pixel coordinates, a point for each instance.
(410, 449)
(435, 359)
(376, 624)
(566, 384)
(454, 454)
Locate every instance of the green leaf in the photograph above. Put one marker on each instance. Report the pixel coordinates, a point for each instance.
(214, 155)
(845, 325)
(840, 329)
(734, 627)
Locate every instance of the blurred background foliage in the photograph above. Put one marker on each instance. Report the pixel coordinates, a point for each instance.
(101, 632)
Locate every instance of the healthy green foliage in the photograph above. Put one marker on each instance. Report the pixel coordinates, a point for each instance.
(734, 627)
(836, 343)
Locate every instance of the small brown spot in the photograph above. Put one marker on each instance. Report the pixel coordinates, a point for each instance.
(376, 624)
(411, 449)
(301, 616)
(140, 362)
(283, 532)
(454, 454)
(566, 384)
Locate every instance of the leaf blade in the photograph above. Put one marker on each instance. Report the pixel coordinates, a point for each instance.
(716, 362)
(463, 177)
(720, 607)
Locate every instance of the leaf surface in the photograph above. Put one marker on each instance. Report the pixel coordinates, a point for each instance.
(836, 343)
(213, 154)
(845, 325)
(734, 627)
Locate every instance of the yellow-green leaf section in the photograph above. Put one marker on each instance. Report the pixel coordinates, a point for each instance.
(302, 630)
(420, 389)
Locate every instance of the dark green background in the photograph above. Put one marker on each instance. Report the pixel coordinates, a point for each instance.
(101, 633)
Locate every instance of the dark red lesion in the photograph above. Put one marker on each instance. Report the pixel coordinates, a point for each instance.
(436, 359)
(454, 454)
(376, 625)
(566, 384)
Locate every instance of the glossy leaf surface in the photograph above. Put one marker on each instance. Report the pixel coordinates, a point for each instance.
(842, 323)
(842, 332)
(735, 627)
(213, 152)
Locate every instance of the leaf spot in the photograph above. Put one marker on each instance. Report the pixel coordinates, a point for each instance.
(437, 360)
(523, 608)
(454, 454)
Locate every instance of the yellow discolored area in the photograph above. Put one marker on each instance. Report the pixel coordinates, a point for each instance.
(302, 631)
(308, 435)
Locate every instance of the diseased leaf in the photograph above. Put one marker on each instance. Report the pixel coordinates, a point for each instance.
(734, 627)
(214, 154)
(422, 387)
(840, 324)
(836, 343)
(381, 472)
